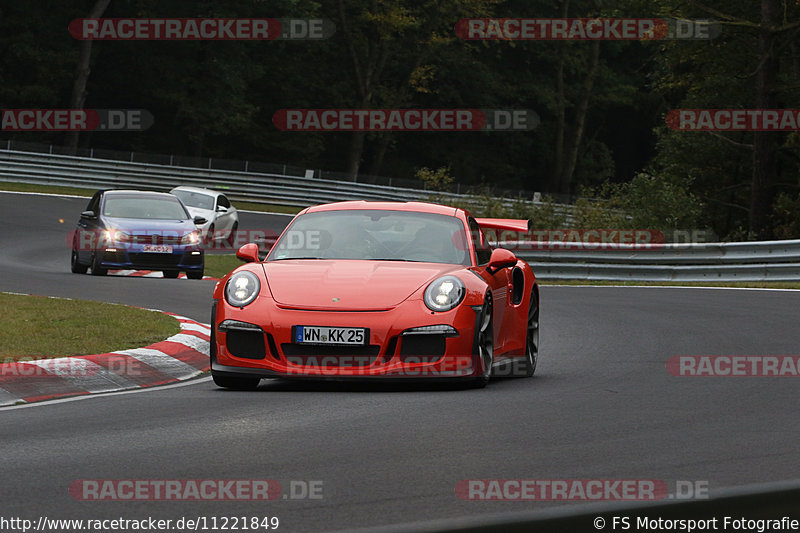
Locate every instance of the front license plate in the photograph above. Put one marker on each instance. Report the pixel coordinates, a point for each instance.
(327, 335)
(157, 248)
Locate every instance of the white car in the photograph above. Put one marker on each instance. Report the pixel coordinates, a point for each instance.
(222, 219)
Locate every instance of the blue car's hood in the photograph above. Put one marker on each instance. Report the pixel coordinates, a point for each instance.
(146, 226)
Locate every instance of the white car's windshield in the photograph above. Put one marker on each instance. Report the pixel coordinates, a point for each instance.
(195, 199)
(374, 235)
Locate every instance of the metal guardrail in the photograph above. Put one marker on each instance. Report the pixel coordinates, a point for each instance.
(238, 165)
(72, 171)
(258, 187)
(740, 261)
(750, 261)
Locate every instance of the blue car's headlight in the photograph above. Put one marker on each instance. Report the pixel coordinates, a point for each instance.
(444, 293)
(190, 238)
(242, 288)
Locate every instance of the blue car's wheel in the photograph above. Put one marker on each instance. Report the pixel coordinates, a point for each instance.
(97, 270)
(75, 265)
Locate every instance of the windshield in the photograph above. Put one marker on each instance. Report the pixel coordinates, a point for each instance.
(374, 235)
(195, 199)
(147, 207)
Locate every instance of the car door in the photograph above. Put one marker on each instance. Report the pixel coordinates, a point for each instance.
(498, 283)
(224, 220)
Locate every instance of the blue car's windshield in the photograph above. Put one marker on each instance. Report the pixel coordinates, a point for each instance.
(374, 235)
(158, 208)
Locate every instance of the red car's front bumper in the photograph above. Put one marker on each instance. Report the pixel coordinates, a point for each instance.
(257, 342)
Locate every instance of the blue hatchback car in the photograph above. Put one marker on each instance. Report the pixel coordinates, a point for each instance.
(123, 229)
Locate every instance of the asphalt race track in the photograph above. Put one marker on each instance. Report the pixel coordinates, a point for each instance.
(602, 406)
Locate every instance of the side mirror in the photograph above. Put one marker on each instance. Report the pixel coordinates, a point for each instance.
(200, 221)
(501, 258)
(222, 209)
(248, 253)
(88, 215)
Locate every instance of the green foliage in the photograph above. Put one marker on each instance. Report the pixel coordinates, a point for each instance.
(787, 216)
(217, 99)
(436, 180)
(646, 202)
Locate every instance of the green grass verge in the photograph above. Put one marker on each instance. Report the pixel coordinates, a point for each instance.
(77, 191)
(50, 189)
(217, 265)
(35, 326)
(272, 208)
(734, 284)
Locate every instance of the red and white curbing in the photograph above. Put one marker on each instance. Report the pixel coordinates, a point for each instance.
(149, 274)
(180, 357)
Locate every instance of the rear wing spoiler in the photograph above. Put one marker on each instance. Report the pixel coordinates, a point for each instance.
(504, 224)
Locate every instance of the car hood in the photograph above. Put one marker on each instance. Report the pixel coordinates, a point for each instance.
(144, 226)
(348, 284)
(200, 212)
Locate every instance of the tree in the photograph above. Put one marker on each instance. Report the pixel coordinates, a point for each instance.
(82, 74)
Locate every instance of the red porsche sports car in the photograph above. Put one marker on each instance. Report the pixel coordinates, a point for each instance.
(377, 289)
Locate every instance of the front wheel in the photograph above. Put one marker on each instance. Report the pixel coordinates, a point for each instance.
(232, 234)
(194, 274)
(76, 266)
(485, 342)
(235, 383)
(98, 270)
(209, 238)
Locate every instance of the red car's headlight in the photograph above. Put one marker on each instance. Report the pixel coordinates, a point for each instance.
(242, 288)
(444, 293)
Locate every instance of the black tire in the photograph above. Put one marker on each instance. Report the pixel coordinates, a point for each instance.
(76, 266)
(171, 274)
(528, 366)
(210, 234)
(228, 382)
(232, 235)
(97, 270)
(194, 274)
(484, 342)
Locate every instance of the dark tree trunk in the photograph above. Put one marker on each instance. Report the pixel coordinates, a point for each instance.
(82, 76)
(580, 120)
(384, 142)
(764, 143)
(354, 153)
(561, 109)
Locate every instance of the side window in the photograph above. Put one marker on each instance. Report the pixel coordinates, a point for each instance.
(94, 203)
(222, 201)
(482, 249)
